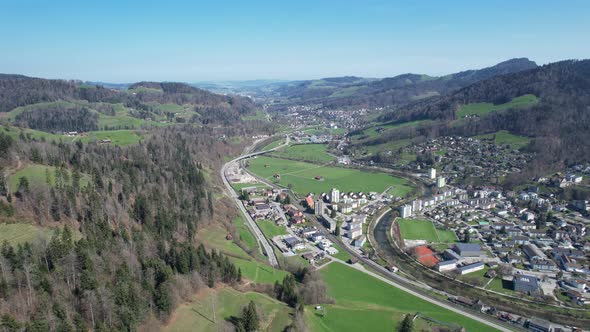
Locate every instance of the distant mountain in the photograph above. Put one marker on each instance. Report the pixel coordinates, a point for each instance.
(392, 91)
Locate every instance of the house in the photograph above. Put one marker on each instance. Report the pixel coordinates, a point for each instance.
(543, 265)
(309, 201)
(468, 249)
(532, 251)
(294, 243)
(325, 244)
(525, 284)
(477, 266)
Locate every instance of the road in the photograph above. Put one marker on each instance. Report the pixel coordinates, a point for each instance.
(272, 258)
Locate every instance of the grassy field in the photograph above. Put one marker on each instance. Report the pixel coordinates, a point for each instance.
(213, 236)
(413, 229)
(503, 137)
(37, 174)
(239, 186)
(271, 229)
(274, 144)
(377, 130)
(258, 272)
(244, 233)
(300, 176)
(122, 137)
(367, 304)
(259, 115)
(21, 233)
(485, 108)
(228, 302)
(316, 153)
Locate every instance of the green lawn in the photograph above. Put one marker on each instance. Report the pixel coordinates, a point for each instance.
(21, 233)
(414, 229)
(258, 272)
(342, 254)
(37, 175)
(366, 304)
(503, 137)
(485, 108)
(300, 176)
(239, 186)
(271, 229)
(198, 314)
(315, 153)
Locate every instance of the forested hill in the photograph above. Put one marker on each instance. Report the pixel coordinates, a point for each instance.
(394, 91)
(17, 90)
(557, 113)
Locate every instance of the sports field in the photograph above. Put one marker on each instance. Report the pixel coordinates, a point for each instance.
(364, 303)
(198, 314)
(315, 153)
(414, 229)
(300, 176)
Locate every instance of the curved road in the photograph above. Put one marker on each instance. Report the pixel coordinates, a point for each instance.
(272, 258)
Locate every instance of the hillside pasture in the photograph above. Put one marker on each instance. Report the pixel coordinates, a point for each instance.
(20, 233)
(39, 175)
(504, 137)
(227, 302)
(481, 109)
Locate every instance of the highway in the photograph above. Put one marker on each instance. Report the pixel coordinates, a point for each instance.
(272, 258)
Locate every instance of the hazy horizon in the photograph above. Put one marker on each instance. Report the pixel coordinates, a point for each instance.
(261, 40)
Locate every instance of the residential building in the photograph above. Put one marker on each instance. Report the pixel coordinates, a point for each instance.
(441, 182)
(360, 241)
(319, 207)
(405, 211)
(334, 195)
(294, 243)
(432, 173)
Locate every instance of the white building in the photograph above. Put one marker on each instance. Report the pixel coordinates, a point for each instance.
(441, 182)
(319, 207)
(335, 195)
(405, 211)
(432, 173)
(417, 205)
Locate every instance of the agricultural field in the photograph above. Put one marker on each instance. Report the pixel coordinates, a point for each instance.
(228, 302)
(300, 176)
(413, 229)
(481, 109)
(373, 305)
(20, 233)
(503, 137)
(315, 153)
(39, 174)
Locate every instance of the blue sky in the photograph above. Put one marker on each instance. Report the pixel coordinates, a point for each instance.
(125, 41)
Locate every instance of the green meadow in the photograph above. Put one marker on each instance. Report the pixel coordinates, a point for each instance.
(364, 303)
(315, 153)
(300, 176)
(20, 233)
(212, 307)
(504, 137)
(481, 109)
(39, 174)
